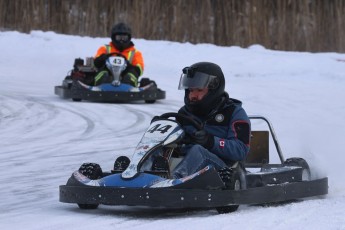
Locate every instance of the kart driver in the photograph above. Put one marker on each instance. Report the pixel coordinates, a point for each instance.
(121, 35)
(225, 137)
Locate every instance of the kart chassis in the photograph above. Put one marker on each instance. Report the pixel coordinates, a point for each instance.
(288, 180)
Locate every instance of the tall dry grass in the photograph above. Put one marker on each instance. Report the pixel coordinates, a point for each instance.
(296, 25)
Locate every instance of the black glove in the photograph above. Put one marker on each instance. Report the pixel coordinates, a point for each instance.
(203, 138)
(99, 61)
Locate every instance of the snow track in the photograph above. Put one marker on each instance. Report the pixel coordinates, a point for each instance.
(43, 138)
(61, 135)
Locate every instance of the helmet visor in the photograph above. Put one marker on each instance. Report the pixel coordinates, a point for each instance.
(122, 37)
(197, 80)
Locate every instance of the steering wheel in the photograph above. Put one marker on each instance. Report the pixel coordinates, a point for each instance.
(118, 54)
(196, 124)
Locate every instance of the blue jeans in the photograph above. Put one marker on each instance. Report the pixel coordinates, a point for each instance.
(197, 158)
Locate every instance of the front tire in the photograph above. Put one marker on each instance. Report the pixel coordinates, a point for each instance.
(88, 206)
(91, 170)
(227, 209)
(237, 183)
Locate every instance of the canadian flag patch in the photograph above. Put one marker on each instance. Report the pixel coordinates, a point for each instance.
(221, 143)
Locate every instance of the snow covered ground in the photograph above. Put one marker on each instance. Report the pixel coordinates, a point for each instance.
(43, 138)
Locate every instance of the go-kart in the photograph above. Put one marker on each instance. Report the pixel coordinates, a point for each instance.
(79, 84)
(146, 178)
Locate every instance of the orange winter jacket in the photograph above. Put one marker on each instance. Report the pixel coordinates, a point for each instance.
(133, 55)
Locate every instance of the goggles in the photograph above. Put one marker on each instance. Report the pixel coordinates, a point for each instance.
(191, 78)
(122, 37)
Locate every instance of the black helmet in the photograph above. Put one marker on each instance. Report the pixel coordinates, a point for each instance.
(203, 75)
(121, 35)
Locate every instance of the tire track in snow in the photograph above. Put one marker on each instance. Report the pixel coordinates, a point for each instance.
(40, 132)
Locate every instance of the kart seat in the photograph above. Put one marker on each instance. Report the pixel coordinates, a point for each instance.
(259, 149)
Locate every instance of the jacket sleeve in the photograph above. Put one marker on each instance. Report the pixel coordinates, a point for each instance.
(101, 50)
(137, 65)
(236, 145)
(100, 62)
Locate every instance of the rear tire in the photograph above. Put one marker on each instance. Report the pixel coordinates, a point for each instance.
(144, 82)
(150, 101)
(76, 99)
(296, 161)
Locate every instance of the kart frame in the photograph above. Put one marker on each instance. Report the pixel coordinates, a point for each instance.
(273, 183)
(73, 90)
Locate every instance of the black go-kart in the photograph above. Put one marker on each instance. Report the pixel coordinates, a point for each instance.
(145, 179)
(80, 84)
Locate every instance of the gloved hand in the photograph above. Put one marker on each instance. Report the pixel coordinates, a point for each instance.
(203, 138)
(99, 61)
(186, 139)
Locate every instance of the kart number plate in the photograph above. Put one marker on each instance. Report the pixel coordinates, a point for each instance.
(117, 61)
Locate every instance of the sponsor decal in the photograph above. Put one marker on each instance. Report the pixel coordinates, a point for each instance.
(85, 180)
(143, 147)
(184, 179)
(219, 118)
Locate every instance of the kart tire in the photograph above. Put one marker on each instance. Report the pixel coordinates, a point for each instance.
(91, 170)
(121, 163)
(238, 182)
(150, 101)
(296, 161)
(145, 81)
(227, 209)
(88, 206)
(231, 208)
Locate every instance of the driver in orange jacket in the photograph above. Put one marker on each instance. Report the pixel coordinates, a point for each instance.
(120, 43)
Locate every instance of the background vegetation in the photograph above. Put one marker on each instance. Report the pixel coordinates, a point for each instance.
(295, 25)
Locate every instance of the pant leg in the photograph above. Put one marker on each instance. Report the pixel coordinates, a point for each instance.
(197, 158)
(102, 77)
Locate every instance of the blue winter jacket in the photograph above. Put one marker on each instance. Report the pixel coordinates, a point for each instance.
(230, 126)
